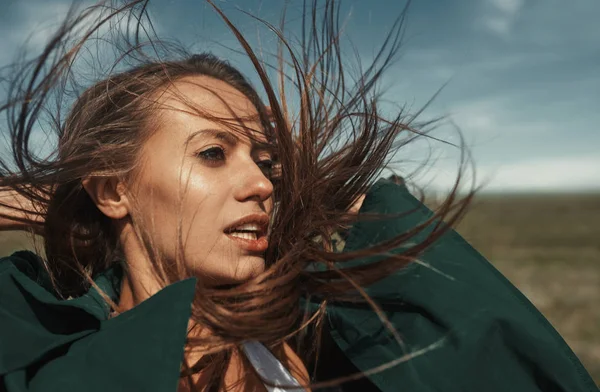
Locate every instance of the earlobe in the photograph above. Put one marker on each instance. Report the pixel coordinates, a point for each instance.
(108, 195)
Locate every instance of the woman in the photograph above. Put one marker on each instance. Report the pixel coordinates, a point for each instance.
(188, 229)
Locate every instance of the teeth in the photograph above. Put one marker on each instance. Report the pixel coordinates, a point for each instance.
(243, 235)
(248, 227)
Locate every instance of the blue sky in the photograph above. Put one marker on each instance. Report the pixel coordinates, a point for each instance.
(523, 76)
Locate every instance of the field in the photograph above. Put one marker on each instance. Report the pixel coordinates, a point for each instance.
(547, 245)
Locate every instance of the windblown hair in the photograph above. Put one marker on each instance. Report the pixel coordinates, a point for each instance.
(330, 152)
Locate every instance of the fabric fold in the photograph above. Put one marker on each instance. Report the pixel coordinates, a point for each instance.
(48, 344)
(473, 330)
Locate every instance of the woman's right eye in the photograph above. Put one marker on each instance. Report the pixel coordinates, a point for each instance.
(212, 154)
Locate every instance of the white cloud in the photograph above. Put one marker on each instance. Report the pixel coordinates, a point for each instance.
(498, 16)
(497, 116)
(500, 25)
(561, 174)
(509, 7)
(550, 174)
(477, 116)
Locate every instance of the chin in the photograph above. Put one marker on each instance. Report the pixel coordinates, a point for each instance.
(248, 268)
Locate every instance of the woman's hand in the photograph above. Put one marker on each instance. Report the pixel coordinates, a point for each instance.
(357, 204)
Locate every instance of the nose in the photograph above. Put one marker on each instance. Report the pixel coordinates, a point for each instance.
(252, 184)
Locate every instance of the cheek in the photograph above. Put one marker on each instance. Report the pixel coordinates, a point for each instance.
(193, 208)
(269, 205)
(200, 213)
(168, 198)
(171, 183)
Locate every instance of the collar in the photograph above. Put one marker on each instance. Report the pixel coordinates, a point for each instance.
(72, 342)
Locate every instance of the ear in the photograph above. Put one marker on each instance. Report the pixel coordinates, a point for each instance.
(108, 193)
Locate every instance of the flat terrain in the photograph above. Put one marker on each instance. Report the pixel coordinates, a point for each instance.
(547, 245)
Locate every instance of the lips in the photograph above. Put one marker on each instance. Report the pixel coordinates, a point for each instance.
(250, 232)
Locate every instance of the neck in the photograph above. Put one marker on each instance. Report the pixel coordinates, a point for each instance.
(140, 281)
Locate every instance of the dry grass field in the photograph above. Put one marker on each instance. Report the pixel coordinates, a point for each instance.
(547, 245)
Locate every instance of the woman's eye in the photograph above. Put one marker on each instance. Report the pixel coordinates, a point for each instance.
(212, 154)
(266, 165)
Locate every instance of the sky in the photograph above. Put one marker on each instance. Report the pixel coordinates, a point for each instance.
(519, 78)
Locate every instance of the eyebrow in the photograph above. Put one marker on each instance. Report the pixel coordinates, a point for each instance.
(229, 138)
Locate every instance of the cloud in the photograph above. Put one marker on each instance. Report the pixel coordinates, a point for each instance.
(551, 174)
(499, 25)
(481, 116)
(523, 88)
(498, 16)
(561, 174)
(508, 7)
(33, 23)
(516, 146)
(485, 119)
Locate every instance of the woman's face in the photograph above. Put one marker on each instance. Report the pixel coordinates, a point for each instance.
(204, 184)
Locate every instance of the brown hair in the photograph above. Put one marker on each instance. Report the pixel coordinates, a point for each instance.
(329, 156)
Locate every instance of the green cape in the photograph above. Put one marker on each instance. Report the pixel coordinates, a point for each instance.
(487, 336)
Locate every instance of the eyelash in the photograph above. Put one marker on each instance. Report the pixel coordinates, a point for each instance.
(205, 154)
(266, 165)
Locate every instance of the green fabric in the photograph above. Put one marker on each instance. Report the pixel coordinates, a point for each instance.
(51, 345)
(493, 338)
(489, 336)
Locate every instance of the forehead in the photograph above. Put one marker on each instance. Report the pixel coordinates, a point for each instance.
(206, 95)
